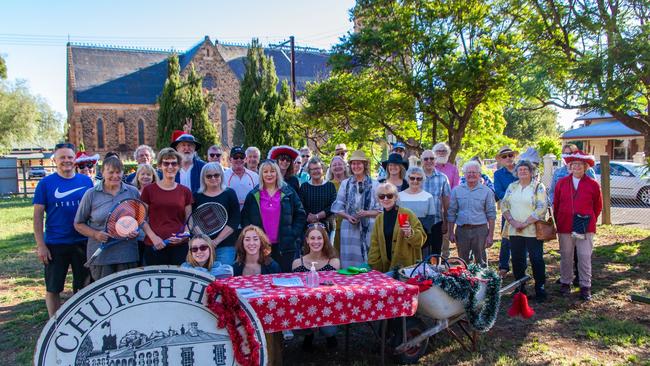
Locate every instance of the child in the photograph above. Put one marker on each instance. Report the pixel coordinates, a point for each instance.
(200, 256)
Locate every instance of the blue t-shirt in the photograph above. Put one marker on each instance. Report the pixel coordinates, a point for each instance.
(61, 197)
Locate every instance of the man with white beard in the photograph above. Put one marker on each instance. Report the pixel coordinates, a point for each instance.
(189, 173)
(441, 151)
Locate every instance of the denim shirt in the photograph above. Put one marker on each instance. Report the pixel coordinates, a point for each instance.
(472, 206)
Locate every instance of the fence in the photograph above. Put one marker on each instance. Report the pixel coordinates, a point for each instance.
(626, 190)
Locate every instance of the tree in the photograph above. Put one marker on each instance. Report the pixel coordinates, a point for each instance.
(183, 98)
(592, 54)
(260, 102)
(529, 124)
(3, 68)
(450, 57)
(25, 119)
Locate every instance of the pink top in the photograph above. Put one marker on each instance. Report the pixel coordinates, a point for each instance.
(270, 212)
(451, 172)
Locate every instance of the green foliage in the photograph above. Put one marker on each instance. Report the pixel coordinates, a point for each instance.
(261, 108)
(614, 332)
(525, 125)
(548, 145)
(450, 57)
(591, 55)
(25, 119)
(183, 98)
(3, 68)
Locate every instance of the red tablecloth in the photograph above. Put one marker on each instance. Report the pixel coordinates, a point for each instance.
(360, 298)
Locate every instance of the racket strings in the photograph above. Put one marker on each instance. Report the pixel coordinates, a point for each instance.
(208, 220)
(131, 208)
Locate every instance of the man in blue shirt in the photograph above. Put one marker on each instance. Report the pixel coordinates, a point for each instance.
(60, 246)
(502, 179)
(189, 174)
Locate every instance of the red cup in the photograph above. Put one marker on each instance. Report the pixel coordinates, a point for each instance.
(402, 219)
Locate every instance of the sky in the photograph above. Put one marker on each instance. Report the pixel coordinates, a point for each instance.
(33, 34)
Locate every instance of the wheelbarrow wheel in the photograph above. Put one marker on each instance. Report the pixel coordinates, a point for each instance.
(414, 327)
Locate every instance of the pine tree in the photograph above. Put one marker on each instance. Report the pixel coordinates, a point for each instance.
(182, 99)
(259, 101)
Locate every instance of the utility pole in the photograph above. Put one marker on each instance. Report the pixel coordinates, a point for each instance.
(292, 61)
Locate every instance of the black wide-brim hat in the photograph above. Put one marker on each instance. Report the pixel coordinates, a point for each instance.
(186, 137)
(394, 159)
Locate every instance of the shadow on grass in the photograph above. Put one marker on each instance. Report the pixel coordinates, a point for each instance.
(18, 257)
(20, 327)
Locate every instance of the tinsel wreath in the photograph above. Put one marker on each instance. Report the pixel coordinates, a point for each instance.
(224, 303)
(463, 285)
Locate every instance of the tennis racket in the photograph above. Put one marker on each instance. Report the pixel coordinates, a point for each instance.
(209, 219)
(125, 218)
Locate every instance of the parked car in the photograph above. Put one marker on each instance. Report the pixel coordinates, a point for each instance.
(628, 181)
(37, 171)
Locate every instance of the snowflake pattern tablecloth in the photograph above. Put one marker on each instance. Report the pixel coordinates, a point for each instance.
(352, 299)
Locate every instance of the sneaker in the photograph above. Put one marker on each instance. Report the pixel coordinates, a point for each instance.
(585, 293)
(287, 335)
(308, 343)
(565, 289)
(540, 295)
(332, 342)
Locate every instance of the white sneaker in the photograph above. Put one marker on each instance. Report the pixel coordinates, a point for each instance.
(287, 335)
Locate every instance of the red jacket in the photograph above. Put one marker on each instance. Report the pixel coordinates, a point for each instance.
(588, 200)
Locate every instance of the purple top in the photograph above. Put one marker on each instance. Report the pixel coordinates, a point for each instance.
(270, 212)
(451, 172)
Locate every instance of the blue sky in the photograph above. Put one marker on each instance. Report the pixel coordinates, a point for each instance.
(33, 34)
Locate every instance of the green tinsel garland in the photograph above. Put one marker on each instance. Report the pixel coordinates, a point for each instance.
(461, 288)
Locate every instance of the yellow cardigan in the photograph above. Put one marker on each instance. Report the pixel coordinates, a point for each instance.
(406, 251)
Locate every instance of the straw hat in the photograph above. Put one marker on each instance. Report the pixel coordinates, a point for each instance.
(358, 155)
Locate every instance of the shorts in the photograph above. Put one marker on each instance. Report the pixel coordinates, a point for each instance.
(63, 257)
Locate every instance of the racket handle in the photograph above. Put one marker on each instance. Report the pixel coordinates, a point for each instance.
(92, 258)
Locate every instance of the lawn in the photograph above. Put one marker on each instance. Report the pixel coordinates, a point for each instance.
(609, 330)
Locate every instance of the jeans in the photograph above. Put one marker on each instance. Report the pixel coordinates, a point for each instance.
(519, 245)
(225, 255)
(504, 255)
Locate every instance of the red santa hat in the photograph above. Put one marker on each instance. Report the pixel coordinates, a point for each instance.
(83, 157)
(283, 150)
(579, 156)
(176, 134)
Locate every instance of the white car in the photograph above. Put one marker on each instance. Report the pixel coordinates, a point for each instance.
(628, 181)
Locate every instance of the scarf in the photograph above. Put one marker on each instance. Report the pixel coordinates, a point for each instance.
(352, 206)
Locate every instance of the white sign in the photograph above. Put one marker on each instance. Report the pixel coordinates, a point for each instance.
(145, 316)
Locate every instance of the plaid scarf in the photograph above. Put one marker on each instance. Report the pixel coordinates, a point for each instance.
(352, 206)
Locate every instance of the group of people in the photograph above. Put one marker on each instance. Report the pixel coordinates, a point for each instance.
(284, 210)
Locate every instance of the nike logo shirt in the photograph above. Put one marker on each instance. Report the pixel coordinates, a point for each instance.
(61, 197)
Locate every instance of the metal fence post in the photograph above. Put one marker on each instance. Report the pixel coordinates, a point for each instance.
(606, 188)
(22, 167)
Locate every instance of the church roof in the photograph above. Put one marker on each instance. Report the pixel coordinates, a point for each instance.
(104, 74)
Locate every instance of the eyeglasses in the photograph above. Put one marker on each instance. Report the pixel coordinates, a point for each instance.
(360, 185)
(284, 158)
(316, 225)
(387, 196)
(419, 179)
(341, 153)
(507, 156)
(202, 248)
(305, 156)
(64, 145)
(428, 159)
(169, 163)
(86, 166)
(212, 176)
(440, 151)
(238, 157)
(213, 155)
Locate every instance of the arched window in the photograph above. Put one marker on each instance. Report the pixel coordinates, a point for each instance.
(121, 131)
(100, 133)
(140, 131)
(224, 124)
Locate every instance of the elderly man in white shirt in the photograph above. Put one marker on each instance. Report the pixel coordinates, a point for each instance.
(240, 179)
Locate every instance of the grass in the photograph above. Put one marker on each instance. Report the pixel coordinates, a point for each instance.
(609, 330)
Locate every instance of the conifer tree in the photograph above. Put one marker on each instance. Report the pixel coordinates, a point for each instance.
(169, 117)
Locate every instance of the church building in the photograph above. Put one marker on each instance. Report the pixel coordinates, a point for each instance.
(112, 92)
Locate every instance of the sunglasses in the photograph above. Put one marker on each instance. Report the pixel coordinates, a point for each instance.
(284, 158)
(169, 163)
(507, 156)
(212, 176)
(341, 153)
(64, 145)
(360, 185)
(84, 166)
(213, 155)
(202, 248)
(304, 156)
(238, 157)
(387, 196)
(315, 225)
(428, 159)
(413, 179)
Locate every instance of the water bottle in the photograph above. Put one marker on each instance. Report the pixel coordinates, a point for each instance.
(312, 276)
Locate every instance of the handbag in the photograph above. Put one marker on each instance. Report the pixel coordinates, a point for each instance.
(545, 229)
